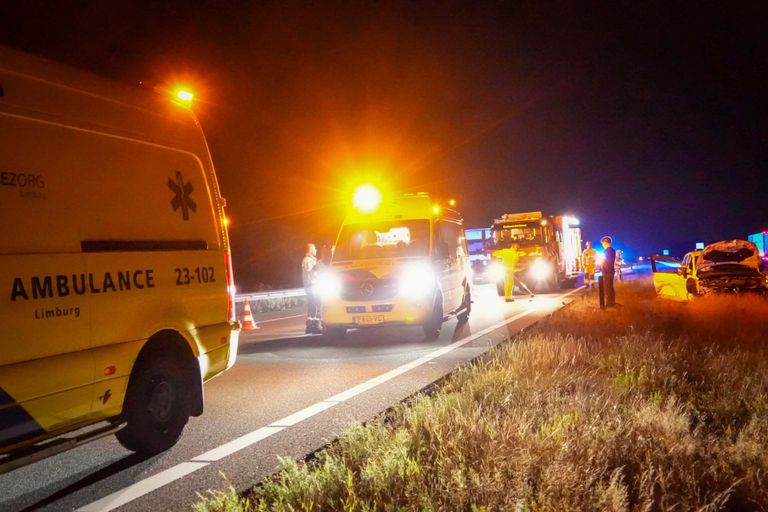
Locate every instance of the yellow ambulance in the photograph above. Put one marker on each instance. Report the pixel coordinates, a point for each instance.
(117, 295)
(397, 261)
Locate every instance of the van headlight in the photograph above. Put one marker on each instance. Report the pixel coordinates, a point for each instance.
(540, 270)
(495, 271)
(417, 281)
(327, 285)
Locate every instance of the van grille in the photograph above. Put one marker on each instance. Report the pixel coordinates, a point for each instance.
(370, 289)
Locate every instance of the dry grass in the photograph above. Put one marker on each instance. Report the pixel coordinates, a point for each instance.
(656, 406)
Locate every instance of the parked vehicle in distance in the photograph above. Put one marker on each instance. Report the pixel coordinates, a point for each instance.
(479, 245)
(761, 241)
(729, 266)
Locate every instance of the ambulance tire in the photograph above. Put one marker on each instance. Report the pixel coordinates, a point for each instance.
(435, 322)
(155, 408)
(334, 333)
(500, 288)
(466, 305)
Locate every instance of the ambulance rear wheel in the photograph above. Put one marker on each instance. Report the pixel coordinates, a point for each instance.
(500, 288)
(155, 408)
(435, 322)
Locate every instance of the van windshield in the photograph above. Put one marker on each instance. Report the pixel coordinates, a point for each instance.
(389, 239)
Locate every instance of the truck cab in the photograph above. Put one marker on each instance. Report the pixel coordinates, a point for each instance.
(549, 247)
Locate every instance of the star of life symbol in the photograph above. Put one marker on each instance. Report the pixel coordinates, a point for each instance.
(183, 195)
(105, 397)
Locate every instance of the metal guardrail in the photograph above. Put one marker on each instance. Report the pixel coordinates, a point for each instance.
(271, 294)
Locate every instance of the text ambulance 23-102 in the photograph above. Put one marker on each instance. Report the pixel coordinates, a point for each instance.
(116, 282)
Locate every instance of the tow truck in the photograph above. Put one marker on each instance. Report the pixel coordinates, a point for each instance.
(550, 247)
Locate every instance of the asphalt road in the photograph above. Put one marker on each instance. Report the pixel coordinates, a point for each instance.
(287, 395)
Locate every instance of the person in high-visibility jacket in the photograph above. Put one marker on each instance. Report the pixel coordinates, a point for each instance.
(509, 258)
(589, 262)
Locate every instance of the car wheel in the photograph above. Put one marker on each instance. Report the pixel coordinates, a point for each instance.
(155, 408)
(466, 305)
(435, 322)
(334, 333)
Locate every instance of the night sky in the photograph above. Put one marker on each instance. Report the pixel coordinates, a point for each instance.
(646, 121)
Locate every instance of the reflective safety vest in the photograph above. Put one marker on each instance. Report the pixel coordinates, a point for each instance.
(509, 257)
(589, 259)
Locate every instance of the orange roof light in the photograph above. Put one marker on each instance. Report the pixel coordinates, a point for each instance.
(452, 202)
(366, 198)
(436, 209)
(183, 95)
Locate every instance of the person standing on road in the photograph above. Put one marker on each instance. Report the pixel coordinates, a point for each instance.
(588, 262)
(509, 258)
(308, 265)
(323, 262)
(609, 266)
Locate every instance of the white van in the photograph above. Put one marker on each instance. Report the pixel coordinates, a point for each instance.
(403, 263)
(117, 296)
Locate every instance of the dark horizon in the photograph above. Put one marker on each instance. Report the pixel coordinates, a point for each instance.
(646, 122)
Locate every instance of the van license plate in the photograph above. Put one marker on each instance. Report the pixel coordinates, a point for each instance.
(368, 319)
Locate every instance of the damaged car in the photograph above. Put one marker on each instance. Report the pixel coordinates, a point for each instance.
(729, 266)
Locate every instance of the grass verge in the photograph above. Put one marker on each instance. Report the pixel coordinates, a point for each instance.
(656, 406)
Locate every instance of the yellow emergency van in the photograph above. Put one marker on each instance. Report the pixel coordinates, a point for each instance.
(399, 261)
(117, 288)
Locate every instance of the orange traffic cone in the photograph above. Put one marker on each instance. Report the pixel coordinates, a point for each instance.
(248, 323)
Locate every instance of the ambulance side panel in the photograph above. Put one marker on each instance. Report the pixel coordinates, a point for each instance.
(107, 240)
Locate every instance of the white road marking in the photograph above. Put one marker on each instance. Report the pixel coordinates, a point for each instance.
(237, 444)
(303, 414)
(181, 470)
(143, 487)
